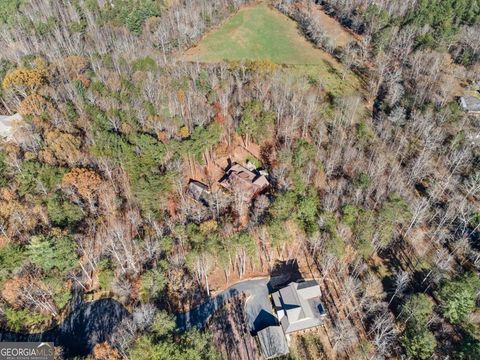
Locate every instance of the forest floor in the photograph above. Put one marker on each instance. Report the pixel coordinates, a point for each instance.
(230, 332)
(340, 35)
(297, 265)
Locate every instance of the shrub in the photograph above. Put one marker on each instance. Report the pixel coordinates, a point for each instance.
(50, 252)
(18, 319)
(35, 105)
(105, 275)
(3, 170)
(63, 213)
(418, 343)
(144, 64)
(458, 296)
(23, 77)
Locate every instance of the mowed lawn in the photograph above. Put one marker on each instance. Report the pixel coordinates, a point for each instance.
(258, 32)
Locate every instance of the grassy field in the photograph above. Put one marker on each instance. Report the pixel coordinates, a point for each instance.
(258, 32)
(261, 32)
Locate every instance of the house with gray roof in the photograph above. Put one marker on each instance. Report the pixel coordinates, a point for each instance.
(199, 192)
(298, 306)
(273, 342)
(470, 104)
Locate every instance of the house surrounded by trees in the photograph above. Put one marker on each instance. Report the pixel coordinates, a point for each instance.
(298, 308)
(238, 178)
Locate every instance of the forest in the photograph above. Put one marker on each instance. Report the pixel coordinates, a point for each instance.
(373, 170)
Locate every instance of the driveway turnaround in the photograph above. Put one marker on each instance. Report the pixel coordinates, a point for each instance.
(257, 307)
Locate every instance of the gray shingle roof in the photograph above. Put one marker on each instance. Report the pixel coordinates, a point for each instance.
(199, 191)
(307, 284)
(299, 306)
(273, 342)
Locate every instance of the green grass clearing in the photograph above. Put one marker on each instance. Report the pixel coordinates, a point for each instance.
(263, 33)
(257, 33)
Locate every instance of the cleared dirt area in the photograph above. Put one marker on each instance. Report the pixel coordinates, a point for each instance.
(335, 31)
(212, 171)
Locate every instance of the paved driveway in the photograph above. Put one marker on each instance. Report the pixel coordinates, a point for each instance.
(258, 307)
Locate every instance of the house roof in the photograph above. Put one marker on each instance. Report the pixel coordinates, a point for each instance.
(298, 306)
(470, 103)
(198, 190)
(238, 177)
(273, 342)
(276, 300)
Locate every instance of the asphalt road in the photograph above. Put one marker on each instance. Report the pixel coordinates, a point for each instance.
(258, 307)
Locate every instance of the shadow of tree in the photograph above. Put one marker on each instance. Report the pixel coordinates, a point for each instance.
(89, 324)
(199, 316)
(283, 273)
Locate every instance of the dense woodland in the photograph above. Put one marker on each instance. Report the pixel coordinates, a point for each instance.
(376, 181)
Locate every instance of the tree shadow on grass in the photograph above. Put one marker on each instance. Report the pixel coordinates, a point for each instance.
(331, 69)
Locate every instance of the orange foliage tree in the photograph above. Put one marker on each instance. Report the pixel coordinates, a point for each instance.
(75, 68)
(104, 351)
(34, 105)
(85, 181)
(76, 65)
(23, 77)
(11, 291)
(62, 146)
